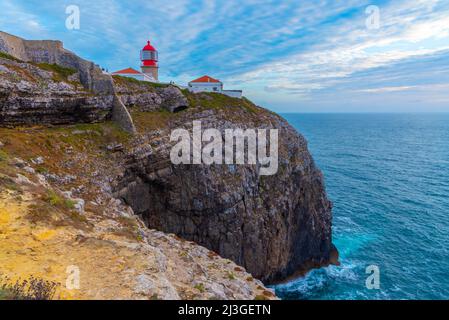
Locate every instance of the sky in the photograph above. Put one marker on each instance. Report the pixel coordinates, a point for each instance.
(288, 56)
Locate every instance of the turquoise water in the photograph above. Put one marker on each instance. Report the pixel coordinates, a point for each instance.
(388, 176)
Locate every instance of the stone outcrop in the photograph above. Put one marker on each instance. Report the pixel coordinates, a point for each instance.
(83, 227)
(274, 226)
(149, 97)
(53, 52)
(29, 95)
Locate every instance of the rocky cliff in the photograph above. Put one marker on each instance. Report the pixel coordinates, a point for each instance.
(43, 83)
(58, 216)
(273, 226)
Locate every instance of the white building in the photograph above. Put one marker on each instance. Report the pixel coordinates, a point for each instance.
(209, 84)
(132, 73)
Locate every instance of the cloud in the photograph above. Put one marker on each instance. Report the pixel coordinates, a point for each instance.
(277, 51)
(15, 18)
(387, 89)
(357, 51)
(429, 87)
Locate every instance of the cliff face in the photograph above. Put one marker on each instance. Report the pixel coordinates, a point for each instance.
(274, 226)
(53, 52)
(32, 95)
(57, 214)
(43, 83)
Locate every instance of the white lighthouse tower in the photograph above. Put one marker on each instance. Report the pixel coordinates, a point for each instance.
(149, 58)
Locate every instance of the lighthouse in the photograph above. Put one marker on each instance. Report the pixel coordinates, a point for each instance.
(149, 58)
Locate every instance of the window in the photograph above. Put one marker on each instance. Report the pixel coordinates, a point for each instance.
(149, 55)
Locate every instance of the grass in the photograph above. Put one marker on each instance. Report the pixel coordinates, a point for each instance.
(56, 200)
(151, 120)
(59, 145)
(125, 80)
(59, 73)
(129, 229)
(3, 156)
(211, 100)
(9, 57)
(41, 170)
(200, 287)
(96, 134)
(8, 183)
(58, 212)
(231, 276)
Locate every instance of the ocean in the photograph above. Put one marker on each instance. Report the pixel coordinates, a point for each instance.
(388, 177)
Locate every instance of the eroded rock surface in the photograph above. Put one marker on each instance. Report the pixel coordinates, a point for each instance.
(31, 95)
(274, 226)
(43, 232)
(43, 83)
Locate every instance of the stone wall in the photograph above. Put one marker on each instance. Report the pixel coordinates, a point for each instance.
(90, 76)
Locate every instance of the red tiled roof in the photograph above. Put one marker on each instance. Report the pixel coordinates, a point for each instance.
(206, 79)
(127, 71)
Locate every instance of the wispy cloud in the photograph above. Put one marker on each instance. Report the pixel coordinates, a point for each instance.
(281, 52)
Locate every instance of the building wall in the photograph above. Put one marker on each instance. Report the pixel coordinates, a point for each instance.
(209, 87)
(205, 87)
(140, 77)
(134, 76)
(152, 72)
(233, 93)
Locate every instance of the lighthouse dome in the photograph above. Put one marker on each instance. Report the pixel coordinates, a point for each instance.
(148, 47)
(149, 55)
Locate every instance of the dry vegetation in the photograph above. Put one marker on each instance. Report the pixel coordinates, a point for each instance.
(59, 73)
(31, 289)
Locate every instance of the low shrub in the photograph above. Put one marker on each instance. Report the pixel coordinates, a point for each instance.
(31, 289)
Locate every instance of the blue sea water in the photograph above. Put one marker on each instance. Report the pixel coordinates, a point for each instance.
(388, 177)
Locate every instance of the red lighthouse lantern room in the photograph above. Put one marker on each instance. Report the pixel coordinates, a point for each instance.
(149, 58)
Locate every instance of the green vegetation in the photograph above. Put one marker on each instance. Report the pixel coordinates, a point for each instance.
(211, 100)
(41, 170)
(129, 229)
(125, 80)
(31, 289)
(59, 73)
(9, 57)
(3, 156)
(56, 200)
(200, 287)
(231, 276)
(7, 182)
(95, 134)
(260, 298)
(151, 120)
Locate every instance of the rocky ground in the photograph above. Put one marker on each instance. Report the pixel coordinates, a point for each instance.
(283, 220)
(47, 94)
(91, 195)
(56, 212)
